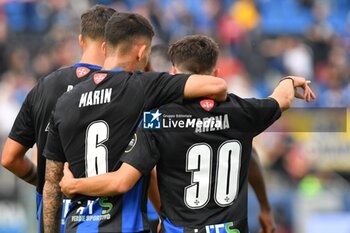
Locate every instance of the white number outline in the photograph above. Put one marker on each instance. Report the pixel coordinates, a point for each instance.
(192, 174)
(100, 144)
(238, 172)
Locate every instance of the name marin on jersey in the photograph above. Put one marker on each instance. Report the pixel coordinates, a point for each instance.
(95, 97)
(201, 125)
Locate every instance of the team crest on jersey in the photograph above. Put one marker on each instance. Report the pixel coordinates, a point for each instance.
(207, 104)
(132, 144)
(82, 71)
(99, 77)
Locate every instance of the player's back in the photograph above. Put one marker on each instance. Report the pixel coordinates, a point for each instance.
(202, 170)
(31, 124)
(98, 118)
(90, 129)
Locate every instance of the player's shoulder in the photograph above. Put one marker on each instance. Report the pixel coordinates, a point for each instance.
(252, 103)
(235, 99)
(63, 71)
(150, 76)
(54, 78)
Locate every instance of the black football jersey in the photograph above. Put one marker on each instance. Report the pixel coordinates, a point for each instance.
(202, 151)
(31, 124)
(91, 128)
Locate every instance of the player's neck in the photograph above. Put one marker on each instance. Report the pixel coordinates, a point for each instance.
(93, 55)
(124, 63)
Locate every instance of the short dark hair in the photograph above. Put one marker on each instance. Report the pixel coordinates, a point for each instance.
(93, 21)
(196, 54)
(125, 27)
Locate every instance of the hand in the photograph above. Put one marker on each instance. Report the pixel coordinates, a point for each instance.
(67, 183)
(308, 94)
(267, 222)
(159, 227)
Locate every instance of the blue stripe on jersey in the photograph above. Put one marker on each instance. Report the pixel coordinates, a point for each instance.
(39, 206)
(151, 212)
(169, 227)
(132, 220)
(90, 66)
(116, 70)
(90, 226)
(67, 204)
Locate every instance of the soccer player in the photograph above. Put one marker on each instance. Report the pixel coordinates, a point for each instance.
(93, 124)
(202, 170)
(31, 124)
(159, 61)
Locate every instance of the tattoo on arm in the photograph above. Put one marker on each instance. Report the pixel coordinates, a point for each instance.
(52, 197)
(31, 176)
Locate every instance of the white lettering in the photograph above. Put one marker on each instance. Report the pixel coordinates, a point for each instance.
(95, 97)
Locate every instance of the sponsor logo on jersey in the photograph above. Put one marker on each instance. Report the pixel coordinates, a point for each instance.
(207, 104)
(132, 144)
(81, 71)
(90, 212)
(99, 77)
(152, 120)
(221, 228)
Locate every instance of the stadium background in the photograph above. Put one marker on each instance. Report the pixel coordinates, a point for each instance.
(307, 167)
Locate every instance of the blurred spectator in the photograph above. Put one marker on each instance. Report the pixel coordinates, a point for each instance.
(245, 14)
(297, 58)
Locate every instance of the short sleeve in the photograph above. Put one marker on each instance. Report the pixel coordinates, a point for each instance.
(163, 88)
(141, 152)
(53, 147)
(23, 130)
(264, 113)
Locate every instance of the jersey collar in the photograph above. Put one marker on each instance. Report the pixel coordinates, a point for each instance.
(90, 66)
(116, 70)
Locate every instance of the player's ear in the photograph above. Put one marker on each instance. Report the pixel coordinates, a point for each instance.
(173, 70)
(216, 72)
(141, 52)
(81, 41)
(103, 48)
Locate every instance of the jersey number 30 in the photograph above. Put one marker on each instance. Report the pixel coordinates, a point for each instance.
(199, 163)
(96, 154)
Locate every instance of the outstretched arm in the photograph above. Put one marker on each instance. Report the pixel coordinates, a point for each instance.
(286, 91)
(205, 86)
(256, 179)
(14, 159)
(52, 197)
(108, 184)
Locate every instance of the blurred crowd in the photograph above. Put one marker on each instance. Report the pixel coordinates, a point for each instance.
(260, 40)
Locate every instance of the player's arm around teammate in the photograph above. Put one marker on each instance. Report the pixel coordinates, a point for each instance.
(113, 183)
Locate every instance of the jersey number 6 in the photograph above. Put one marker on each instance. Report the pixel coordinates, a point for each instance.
(96, 154)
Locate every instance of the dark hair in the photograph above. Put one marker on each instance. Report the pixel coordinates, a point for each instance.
(93, 21)
(124, 27)
(195, 54)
